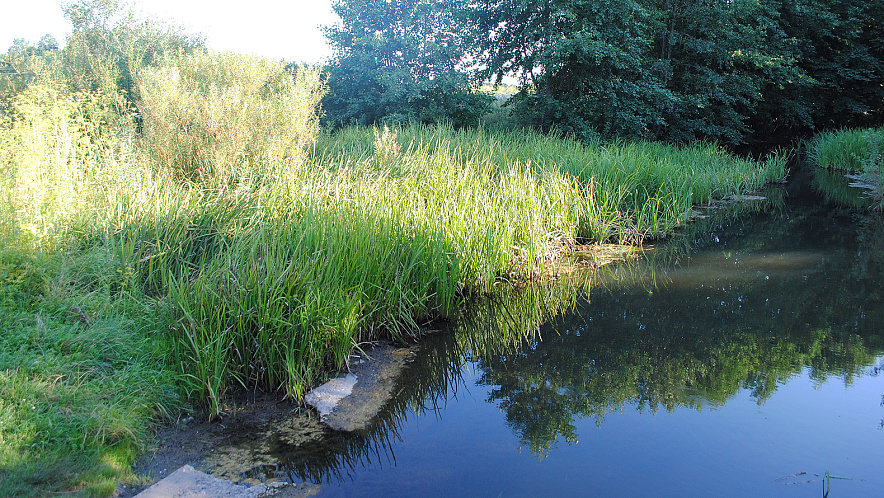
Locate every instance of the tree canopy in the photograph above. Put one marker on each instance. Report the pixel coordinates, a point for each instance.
(105, 50)
(673, 70)
(400, 61)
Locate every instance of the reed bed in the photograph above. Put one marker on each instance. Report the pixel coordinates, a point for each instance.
(378, 232)
(267, 261)
(857, 152)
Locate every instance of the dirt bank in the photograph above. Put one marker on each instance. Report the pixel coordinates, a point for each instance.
(241, 441)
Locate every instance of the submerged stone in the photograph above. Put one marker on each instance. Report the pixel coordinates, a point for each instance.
(325, 397)
(377, 377)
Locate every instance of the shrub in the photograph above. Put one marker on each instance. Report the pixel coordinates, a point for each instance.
(55, 148)
(217, 117)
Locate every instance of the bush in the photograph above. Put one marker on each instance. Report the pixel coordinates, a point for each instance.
(109, 46)
(217, 118)
(55, 147)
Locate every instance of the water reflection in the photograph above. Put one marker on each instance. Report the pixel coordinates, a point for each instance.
(741, 302)
(748, 311)
(835, 186)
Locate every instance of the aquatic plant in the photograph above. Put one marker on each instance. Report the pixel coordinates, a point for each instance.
(856, 151)
(273, 260)
(847, 149)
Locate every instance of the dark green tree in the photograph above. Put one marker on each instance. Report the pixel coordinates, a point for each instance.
(780, 110)
(400, 61)
(842, 50)
(704, 50)
(682, 70)
(583, 64)
(673, 70)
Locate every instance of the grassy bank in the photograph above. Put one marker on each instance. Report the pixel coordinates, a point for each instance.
(82, 380)
(272, 283)
(857, 152)
(230, 244)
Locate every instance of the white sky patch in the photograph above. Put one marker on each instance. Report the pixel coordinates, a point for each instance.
(277, 29)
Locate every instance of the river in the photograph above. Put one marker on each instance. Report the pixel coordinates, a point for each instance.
(743, 357)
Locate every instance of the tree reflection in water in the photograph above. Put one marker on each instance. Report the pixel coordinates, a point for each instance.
(739, 301)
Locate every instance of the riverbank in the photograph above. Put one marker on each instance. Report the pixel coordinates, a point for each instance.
(856, 154)
(256, 424)
(132, 290)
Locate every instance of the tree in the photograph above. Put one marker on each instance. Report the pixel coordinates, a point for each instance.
(842, 51)
(25, 63)
(781, 110)
(109, 46)
(399, 61)
(682, 70)
(672, 70)
(715, 57)
(583, 63)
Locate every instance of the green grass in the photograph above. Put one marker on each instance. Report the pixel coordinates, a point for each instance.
(140, 266)
(855, 151)
(272, 285)
(82, 382)
(268, 284)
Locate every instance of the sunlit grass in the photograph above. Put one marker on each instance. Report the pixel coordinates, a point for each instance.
(268, 282)
(81, 384)
(382, 230)
(137, 266)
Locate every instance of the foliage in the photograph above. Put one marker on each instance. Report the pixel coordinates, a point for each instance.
(714, 57)
(24, 63)
(108, 46)
(857, 151)
(214, 118)
(399, 62)
(582, 61)
(681, 70)
(840, 50)
(200, 243)
(55, 147)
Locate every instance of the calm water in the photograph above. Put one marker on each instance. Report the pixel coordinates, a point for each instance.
(744, 358)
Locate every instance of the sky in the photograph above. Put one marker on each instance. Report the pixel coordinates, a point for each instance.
(280, 29)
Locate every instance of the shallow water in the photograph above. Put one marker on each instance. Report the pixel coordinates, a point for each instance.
(745, 357)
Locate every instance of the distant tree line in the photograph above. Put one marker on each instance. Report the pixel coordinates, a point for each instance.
(676, 70)
(733, 71)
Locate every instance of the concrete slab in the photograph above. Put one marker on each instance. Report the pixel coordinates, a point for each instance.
(188, 482)
(325, 397)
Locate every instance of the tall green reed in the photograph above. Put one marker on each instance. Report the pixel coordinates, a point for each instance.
(393, 233)
(855, 150)
(858, 151)
(274, 259)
